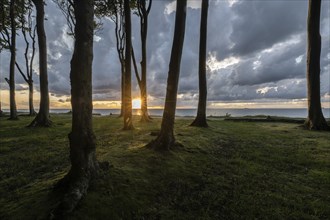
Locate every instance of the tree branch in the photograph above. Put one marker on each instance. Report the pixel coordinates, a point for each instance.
(21, 72)
(149, 7)
(135, 68)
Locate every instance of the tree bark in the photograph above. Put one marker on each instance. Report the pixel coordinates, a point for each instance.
(315, 119)
(84, 165)
(128, 123)
(32, 112)
(144, 32)
(122, 89)
(42, 119)
(13, 108)
(166, 139)
(200, 120)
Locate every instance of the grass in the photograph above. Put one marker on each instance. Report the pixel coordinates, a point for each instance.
(232, 170)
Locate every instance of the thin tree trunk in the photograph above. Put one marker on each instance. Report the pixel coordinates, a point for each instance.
(1, 112)
(42, 118)
(32, 112)
(122, 90)
(84, 165)
(315, 120)
(166, 139)
(144, 32)
(200, 120)
(13, 108)
(128, 123)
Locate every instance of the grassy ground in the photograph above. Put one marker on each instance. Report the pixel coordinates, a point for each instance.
(232, 170)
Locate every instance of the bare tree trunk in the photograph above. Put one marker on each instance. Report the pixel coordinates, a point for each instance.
(42, 118)
(144, 12)
(166, 139)
(84, 165)
(315, 120)
(128, 123)
(32, 112)
(200, 120)
(122, 90)
(13, 109)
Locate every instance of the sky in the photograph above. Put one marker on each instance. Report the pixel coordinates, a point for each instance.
(256, 57)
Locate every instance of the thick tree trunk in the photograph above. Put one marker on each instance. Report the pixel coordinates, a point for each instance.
(32, 112)
(42, 118)
(200, 120)
(166, 139)
(315, 120)
(84, 165)
(144, 32)
(128, 123)
(13, 109)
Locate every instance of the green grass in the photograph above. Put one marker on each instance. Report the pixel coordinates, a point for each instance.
(232, 170)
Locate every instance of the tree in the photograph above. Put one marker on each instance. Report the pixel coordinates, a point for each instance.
(84, 165)
(315, 119)
(143, 12)
(3, 42)
(27, 28)
(200, 120)
(42, 118)
(128, 123)
(12, 46)
(166, 139)
(66, 7)
(115, 10)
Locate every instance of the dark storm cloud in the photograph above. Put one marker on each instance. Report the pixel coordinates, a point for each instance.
(258, 24)
(267, 38)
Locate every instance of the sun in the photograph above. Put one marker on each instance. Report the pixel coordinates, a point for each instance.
(136, 103)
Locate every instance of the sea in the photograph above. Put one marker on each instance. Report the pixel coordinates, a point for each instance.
(282, 112)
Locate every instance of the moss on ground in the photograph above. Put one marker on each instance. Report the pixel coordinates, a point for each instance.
(231, 170)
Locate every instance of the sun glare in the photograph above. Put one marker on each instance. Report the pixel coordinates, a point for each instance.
(136, 103)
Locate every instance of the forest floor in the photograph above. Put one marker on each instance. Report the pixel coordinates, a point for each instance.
(231, 170)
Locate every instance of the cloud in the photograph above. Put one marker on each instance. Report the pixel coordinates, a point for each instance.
(256, 52)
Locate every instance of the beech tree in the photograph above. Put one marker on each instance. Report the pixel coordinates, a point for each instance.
(166, 139)
(200, 120)
(128, 122)
(114, 9)
(143, 10)
(10, 37)
(28, 31)
(84, 165)
(42, 118)
(315, 119)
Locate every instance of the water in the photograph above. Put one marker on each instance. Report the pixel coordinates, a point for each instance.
(284, 112)
(296, 112)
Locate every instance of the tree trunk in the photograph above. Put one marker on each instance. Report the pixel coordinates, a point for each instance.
(122, 90)
(315, 120)
(13, 109)
(200, 120)
(166, 139)
(144, 32)
(42, 118)
(32, 112)
(84, 165)
(128, 123)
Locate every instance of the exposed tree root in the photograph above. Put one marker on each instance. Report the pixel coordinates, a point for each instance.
(40, 121)
(34, 113)
(145, 118)
(74, 187)
(199, 122)
(320, 125)
(164, 143)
